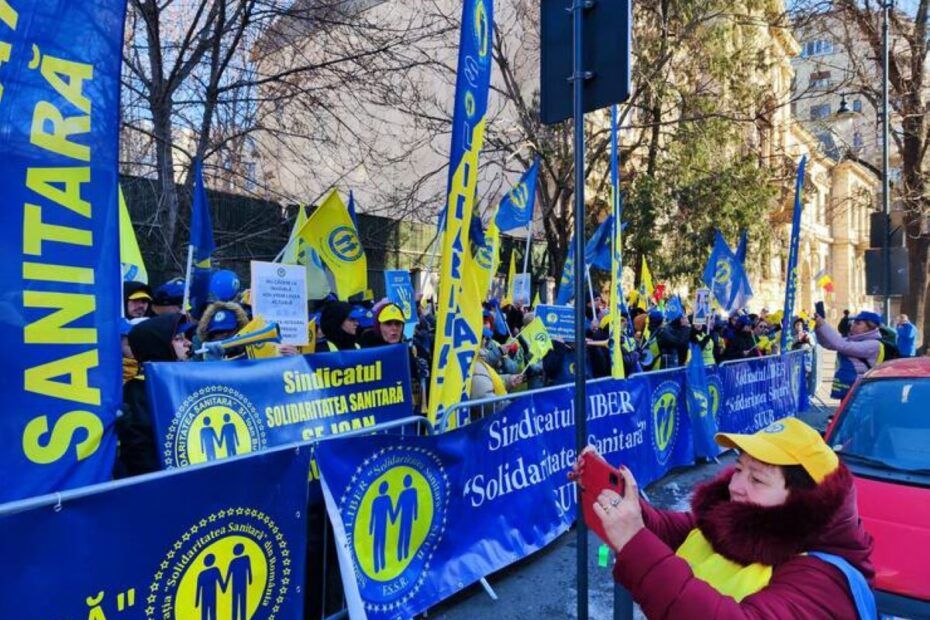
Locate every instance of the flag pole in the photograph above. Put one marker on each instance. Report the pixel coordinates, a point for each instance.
(591, 292)
(187, 278)
(529, 241)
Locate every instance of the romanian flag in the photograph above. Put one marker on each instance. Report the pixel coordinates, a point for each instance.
(331, 232)
(130, 257)
(824, 280)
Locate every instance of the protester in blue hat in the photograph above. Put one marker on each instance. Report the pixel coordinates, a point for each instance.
(907, 336)
(169, 297)
(856, 353)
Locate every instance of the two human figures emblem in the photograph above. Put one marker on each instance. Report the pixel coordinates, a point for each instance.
(211, 442)
(385, 511)
(212, 584)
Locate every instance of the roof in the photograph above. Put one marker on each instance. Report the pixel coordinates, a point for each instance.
(904, 368)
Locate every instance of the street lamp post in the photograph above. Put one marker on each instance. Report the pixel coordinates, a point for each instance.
(886, 208)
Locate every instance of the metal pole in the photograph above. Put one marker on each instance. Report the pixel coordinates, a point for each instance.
(529, 241)
(886, 208)
(578, 77)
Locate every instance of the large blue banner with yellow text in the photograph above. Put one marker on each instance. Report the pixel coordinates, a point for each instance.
(217, 542)
(420, 518)
(59, 253)
(210, 410)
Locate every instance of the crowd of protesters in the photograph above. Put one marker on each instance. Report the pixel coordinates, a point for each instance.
(654, 338)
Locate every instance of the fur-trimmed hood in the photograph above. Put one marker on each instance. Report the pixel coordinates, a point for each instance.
(824, 518)
(242, 319)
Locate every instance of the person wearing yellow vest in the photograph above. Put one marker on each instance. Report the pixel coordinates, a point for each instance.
(778, 536)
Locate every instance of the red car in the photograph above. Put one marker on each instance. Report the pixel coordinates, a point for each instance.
(882, 433)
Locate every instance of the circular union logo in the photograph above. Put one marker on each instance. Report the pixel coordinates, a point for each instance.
(722, 272)
(281, 272)
(483, 256)
(773, 428)
(395, 515)
(344, 243)
(212, 423)
(234, 564)
(665, 419)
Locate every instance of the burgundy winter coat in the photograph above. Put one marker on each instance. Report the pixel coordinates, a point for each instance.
(802, 587)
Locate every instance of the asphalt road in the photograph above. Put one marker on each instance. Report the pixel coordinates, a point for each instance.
(543, 585)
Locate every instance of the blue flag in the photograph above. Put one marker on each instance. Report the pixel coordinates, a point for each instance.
(191, 544)
(516, 209)
(201, 241)
(701, 406)
(725, 277)
(791, 287)
(597, 251)
(741, 248)
(674, 309)
(60, 251)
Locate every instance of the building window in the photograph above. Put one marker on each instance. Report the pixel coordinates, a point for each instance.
(817, 47)
(857, 105)
(820, 111)
(857, 140)
(820, 80)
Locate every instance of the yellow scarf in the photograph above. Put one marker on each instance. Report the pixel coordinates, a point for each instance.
(725, 576)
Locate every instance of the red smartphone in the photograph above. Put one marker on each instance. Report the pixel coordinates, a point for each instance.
(596, 475)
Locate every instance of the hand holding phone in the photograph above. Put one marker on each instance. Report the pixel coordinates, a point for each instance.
(594, 475)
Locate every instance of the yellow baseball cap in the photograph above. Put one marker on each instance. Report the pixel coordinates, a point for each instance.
(140, 295)
(788, 441)
(391, 312)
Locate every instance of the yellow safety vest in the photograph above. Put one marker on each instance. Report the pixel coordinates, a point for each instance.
(725, 576)
(333, 348)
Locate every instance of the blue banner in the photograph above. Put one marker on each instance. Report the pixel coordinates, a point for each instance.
(419, 518)
(791, 287)
(399, 289)
(516, 209)
(59, 257)
(756, 392)
(559, 321)
(227, 540)
(210, 410)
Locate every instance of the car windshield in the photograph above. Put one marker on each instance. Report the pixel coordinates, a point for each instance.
(886, 423)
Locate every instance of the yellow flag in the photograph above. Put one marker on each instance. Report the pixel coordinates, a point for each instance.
(299, 253)
(331, 232)
(646, 289)
(310, 347)
(617, 371)
(130, 257)
(511, 278)
(537, 339)
(536, 300)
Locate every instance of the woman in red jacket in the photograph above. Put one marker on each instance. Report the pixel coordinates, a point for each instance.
(746, 549)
